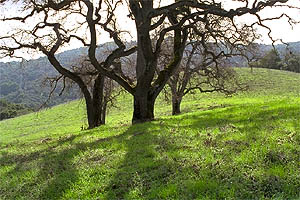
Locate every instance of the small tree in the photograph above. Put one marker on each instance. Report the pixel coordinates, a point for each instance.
(103, 90)
(203, 68)
(271, 60)
(291, 62)
(100, 88)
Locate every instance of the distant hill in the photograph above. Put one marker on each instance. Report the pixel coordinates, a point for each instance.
(23, 83)
(263, 49)
(292, 46)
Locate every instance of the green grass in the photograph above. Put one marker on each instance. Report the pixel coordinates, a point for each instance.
(243, 147)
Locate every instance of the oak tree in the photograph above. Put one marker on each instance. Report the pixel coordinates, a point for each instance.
(50, 25)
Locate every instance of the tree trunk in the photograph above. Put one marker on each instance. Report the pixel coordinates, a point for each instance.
(93, 101)
(176, 102)
(143, 109)
(176, 107)
(91, 115)
(104, 107)
(94, 106)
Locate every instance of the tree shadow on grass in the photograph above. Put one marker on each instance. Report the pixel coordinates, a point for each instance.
(154, 164)
(146, 170)
(56, 171)
(141, 169)
(242, 116)
(250, 132)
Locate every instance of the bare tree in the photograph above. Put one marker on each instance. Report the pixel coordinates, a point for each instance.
(48, 36)
(104, 96)
(94, 91)
(199, 71)
(207, 19)
(101, 88)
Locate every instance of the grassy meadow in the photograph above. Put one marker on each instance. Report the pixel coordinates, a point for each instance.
(242, 147)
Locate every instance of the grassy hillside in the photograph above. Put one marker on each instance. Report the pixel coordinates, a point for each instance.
(243, 147)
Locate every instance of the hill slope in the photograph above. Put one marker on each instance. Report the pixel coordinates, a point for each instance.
(24, 82)
(243, 147)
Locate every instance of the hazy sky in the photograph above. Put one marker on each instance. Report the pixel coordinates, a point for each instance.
(280, 28)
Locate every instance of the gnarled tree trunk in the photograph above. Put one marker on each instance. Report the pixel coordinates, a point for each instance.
(176, 102)
(94, 112)
(94, 103)
(143, 108)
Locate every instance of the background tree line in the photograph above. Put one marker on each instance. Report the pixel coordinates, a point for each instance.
(273, 59)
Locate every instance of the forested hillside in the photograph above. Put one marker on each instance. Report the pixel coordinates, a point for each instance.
(25, 82)
(10, 110)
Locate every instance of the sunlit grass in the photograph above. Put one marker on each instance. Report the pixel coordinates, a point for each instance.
(243, 147)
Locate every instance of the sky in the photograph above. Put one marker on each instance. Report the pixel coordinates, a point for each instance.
(280, 28)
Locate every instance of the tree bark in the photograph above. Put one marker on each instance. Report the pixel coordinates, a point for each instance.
(143, 108)
(103, 114)
(176, 102)
(94, 101)
(90, 114)
(94, 105)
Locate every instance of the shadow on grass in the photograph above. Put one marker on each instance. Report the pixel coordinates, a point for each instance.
(146, 169)
(250, 117)
(157, 164)
(56, 171)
